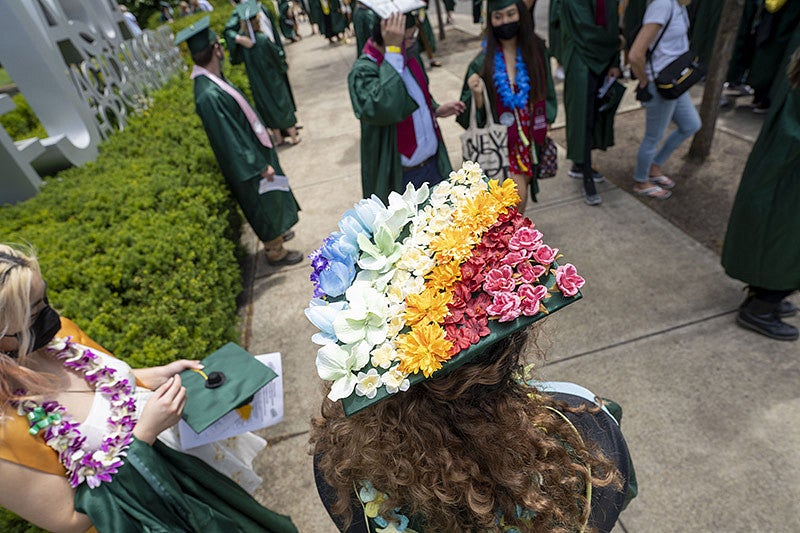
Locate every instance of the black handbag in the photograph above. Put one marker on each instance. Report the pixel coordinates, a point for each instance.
(677, 77)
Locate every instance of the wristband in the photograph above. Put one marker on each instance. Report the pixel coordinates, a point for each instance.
(393, 50)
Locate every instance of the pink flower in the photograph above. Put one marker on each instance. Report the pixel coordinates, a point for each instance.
(545, 255)
(529, 273)
(525, 239)
(499, 280)
(515, 258)
(568, 280)
(505, 305)
(531, 298)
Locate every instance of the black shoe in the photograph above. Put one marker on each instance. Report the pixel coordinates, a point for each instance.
(577, 173)
(786, 309)
(292, 257)
(288, 236)
(762, 317)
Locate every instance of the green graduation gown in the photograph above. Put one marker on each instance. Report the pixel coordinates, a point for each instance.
(380, 101)
(551, 108)
(587, 47)
(427, 30)
(769, 53)
(337, 21)
(703, 31)
(554, 30)
(288, 28)
(159, 489)
(315, 13)
(363, 20)
(242, 158)
(762, 244)
(266, 71)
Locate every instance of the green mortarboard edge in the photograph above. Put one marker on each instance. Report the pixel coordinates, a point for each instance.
(494, 5)
(498, 331)
(247, 9)
(244, 376)
(198, 36)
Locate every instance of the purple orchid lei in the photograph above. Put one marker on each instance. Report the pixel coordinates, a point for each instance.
(92, 466)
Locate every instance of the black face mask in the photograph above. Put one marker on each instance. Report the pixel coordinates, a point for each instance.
(506, 31)
(43, 329)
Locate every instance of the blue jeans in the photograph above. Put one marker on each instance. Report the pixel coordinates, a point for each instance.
(427, 173)
(660, 112)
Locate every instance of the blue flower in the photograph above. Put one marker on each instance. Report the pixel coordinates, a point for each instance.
(322, 314)
(337, 278)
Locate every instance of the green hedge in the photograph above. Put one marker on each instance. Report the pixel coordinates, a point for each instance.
(21, 123)
(141, 247)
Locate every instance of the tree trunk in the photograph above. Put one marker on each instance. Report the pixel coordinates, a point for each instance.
(717, 71)
(439, 19)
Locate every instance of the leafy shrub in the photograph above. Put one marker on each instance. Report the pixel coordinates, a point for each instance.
(140, 247)
(21, 123)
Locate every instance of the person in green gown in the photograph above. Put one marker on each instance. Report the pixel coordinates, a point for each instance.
(80, 449)
(243, 149)
(331, 19)
(287, 20)
(591, 53)
(704, 24)
(778, 19)
(400, 139)
(761, 244)
(427, 39)
(251, 36)
(449, 7)
(512, 41)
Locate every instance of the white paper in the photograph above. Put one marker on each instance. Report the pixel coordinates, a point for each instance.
(384, 8)
(606, 86)
(278, 183)
(267, 411)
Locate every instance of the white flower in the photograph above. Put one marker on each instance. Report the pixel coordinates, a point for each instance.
(337, 363)
(368, 384)
(395, 381)
(366, 317)
(383, 356)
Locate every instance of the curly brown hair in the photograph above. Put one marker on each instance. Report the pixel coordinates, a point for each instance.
(457, 449)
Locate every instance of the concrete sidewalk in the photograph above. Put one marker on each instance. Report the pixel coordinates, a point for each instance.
(710, 409)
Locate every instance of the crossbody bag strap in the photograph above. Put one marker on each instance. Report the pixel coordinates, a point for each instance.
(655, 45)
(588, 467)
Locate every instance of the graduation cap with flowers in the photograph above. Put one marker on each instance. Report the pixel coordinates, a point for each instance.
(415, 289)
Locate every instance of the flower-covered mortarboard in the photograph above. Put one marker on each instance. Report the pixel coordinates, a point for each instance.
(415, 289)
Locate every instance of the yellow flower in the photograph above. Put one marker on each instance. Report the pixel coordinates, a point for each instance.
(478, 213)
(428, 306)
(506, 193)
(455, 244)
(444, 276)
(423, 348)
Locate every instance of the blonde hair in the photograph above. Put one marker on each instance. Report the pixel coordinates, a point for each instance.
(18, 265)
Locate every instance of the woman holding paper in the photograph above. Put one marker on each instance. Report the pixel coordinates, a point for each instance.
(74, 418)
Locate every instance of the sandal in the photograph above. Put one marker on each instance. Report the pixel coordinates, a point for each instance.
(662, 181)
(654, 192)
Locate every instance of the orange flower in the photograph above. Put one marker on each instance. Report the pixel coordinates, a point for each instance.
(429, 306)
(424, 348)
(444, 276)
